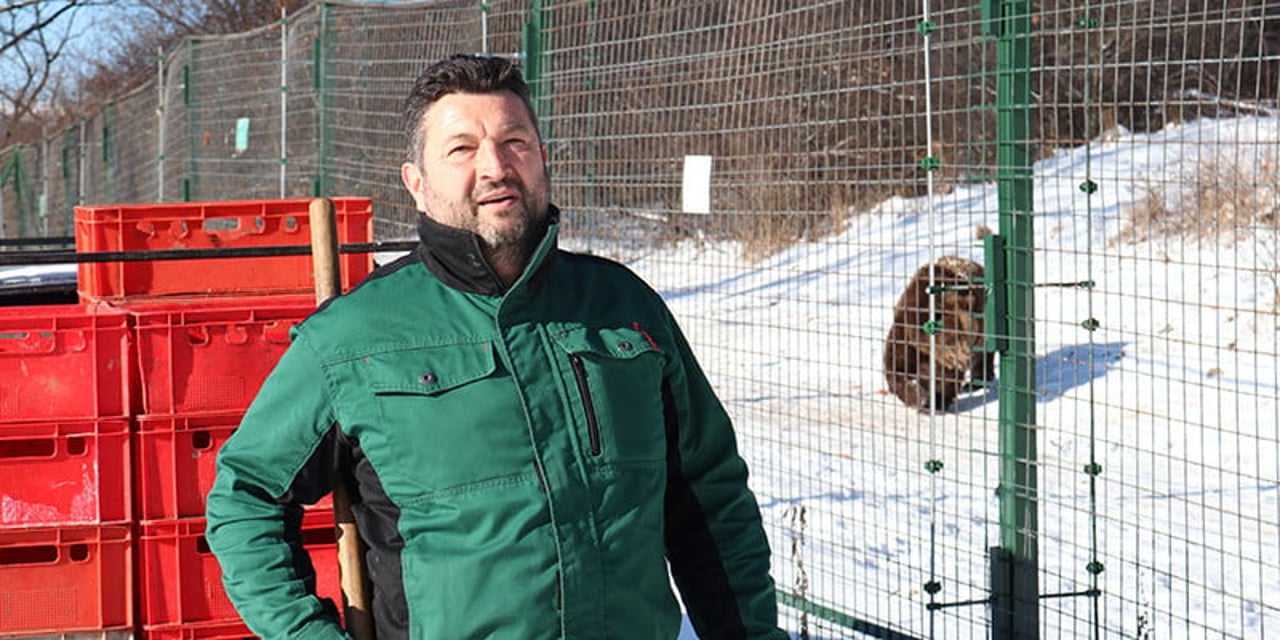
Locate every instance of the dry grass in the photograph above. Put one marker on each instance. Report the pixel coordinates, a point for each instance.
(1224, 199)
(1221, 200)
(765, 235)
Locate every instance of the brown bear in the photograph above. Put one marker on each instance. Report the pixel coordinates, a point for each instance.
(958, 308)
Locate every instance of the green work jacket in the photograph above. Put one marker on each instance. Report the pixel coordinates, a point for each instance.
(524, 462)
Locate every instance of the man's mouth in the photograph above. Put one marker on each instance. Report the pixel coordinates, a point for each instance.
(497, 199)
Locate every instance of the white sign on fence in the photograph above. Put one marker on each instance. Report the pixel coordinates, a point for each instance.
(696, 190)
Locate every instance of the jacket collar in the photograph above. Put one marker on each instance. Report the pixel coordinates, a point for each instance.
(454, 257)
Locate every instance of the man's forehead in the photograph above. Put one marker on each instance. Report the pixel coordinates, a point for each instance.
(463, 113)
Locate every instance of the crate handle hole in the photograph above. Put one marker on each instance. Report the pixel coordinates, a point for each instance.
(201, 440)
(221, 225)
(78, 552)
(43, 554)
(29, 448)
(315, 536)
(27, 342)
(237, 334)
(202, 546)
(77, 446)
(277, 331)
(76, 340)
(197, 336)
(290, 224)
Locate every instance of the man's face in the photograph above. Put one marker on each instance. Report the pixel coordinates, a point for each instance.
(482, 168)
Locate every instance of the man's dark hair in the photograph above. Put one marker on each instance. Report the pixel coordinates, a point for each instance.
(460, 73)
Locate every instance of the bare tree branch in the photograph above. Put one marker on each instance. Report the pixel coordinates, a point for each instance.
(15, 37)
(46, 76)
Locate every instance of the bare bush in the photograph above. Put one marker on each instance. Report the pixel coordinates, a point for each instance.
(1222, 199)
(1143, 65)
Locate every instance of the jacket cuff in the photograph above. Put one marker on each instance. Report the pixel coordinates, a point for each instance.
(323, 630)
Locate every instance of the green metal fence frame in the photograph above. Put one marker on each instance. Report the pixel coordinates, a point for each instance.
(1014, 564)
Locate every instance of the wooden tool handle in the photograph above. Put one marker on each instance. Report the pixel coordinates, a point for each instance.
(324, 257)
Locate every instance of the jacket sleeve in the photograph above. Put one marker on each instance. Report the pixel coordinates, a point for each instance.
(715, 540)
(264, 470)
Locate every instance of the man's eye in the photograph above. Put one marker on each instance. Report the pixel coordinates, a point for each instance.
(459, 150)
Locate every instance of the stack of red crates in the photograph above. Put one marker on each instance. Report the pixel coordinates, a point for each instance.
(66, 538)
(173, 352)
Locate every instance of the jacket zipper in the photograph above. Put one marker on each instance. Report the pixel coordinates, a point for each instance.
(593, 426)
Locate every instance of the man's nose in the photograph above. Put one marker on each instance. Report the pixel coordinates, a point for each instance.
(491, 162)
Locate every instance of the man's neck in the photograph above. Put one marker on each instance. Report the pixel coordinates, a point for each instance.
(508, 263)
(461, 260)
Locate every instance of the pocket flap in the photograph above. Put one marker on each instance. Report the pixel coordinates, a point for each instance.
(620, 342)
(429, 370)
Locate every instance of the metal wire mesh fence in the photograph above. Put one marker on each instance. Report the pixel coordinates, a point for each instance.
(1112, 165)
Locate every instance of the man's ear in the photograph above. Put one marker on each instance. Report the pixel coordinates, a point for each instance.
(412, 178)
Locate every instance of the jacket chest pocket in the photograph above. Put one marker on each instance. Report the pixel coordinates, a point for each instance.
(614, 380)
(448, 420)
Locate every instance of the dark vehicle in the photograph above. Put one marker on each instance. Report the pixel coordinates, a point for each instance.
(38, 284)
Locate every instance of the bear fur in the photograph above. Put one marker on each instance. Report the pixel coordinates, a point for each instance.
(958, 314)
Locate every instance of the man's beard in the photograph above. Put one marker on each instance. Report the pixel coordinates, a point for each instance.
(523, 230)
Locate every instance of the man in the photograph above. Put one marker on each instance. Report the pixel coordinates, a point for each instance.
(529, 436)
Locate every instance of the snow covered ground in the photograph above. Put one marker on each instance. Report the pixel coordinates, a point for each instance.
(1174, 396)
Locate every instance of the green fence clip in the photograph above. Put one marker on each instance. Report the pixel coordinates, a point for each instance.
(1093, 469)
(1095, 567)
(931, 327)
(924, 27)
(1087, 22)
(1089, 186)
(932, 587)
(930, 163)
(484, 7)
(933, 466)
(1091, 324)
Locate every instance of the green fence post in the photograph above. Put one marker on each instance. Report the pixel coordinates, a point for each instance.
(536, 64)
(593, 61)
(69, 164)
(188, 99)
(1014, 564)
(13, 171)
(108, 150)
(321, 183)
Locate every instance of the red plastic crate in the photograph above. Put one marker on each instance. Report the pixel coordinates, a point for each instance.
(62, 580)
(64, 473)
(207, 631)
(210, 354)
(210, 225)
(181, 582)
(64, 362)
(178, 455)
